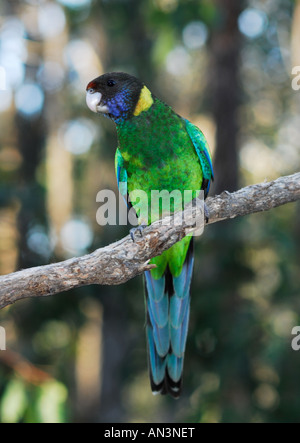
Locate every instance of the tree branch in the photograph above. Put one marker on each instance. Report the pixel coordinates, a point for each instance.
(123, 260)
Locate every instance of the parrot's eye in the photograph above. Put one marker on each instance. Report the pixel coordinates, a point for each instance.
(111, 83)
(91, 91)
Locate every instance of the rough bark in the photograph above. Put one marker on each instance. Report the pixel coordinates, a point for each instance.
(124, 259)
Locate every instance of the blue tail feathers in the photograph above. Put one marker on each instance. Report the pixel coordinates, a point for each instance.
(168, 308)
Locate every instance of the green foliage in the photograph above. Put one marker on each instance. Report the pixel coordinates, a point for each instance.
(42, 404)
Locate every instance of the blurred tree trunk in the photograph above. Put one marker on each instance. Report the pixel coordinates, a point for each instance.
(114, 351)
(226, 93)
(295, 61)
(295, 36)
(31, 135)
(141, 42)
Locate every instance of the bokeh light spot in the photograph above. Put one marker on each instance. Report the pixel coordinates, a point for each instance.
(252, 22)
(51, 76)
(38, 241)
(195, 35)
(178, 61)
(51, 20)
(76, 236)
(5, 99)
(75, 4)
(29, 99)
(78, 136)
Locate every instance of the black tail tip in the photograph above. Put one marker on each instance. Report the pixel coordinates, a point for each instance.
(167, 386)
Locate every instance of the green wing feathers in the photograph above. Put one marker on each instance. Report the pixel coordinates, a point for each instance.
(121, 174)
(203, 152)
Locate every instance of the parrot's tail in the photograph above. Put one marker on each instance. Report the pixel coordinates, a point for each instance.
(168, 309)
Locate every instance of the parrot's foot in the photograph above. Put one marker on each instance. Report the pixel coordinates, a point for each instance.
(138, 229)
(206, 213)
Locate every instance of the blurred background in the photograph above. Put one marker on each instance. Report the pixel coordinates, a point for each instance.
(226, 66)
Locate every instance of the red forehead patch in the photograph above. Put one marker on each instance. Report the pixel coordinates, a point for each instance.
(91, 85)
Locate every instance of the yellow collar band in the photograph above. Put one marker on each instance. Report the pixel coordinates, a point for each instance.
(145, 101)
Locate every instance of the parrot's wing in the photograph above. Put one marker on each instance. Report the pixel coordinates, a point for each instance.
(203, 152)
(121, 174)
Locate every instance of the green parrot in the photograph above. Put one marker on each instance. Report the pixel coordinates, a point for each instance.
(158, 150)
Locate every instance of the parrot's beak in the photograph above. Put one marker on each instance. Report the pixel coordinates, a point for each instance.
(93, 100)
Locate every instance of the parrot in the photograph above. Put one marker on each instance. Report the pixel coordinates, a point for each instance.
(157, 150)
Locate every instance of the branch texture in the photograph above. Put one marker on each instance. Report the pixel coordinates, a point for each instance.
(120, 261)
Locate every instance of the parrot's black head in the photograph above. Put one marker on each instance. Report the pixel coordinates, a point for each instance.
(115, 94)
